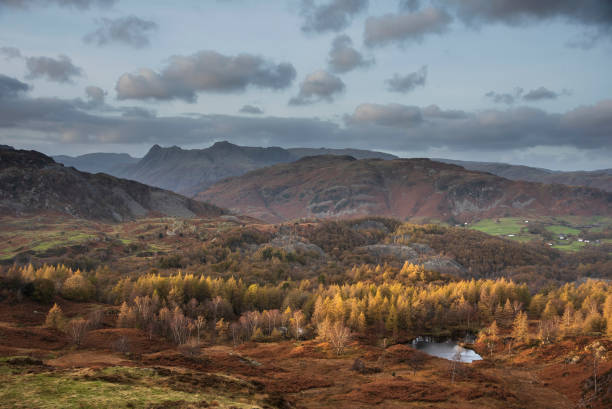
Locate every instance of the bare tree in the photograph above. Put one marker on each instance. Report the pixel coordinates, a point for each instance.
(200, 323)
(339, 336)
(179, 326)
(454, 366)
(598, 351)
(297, 320)
(77, 330)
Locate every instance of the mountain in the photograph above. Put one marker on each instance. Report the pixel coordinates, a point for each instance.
(189, 171)
(341, 186)
(31, 182)
(600, 179)
(110, 163)
(355, 153)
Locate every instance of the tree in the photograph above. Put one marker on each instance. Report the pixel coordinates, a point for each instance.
(598, 352)
(55, 318)
(77, 329)
(520, 329)
(297, 319)
(338, 336)
(200, 323)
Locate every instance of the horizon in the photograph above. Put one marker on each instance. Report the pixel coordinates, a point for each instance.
(505, 81)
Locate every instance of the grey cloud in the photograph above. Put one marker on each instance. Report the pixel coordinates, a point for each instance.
(396, 128)
(11, 87)
(129, 30)
(407, 82)
(405, 27)
(590, 12)
(394, 115)
(505, 98)
(10, 52)
(78, 4)
(538, 94)
(251, 109)
(317, 86)
(137, 112)
(95, 94)
(334, 15)
(543, 93)
(59, 69)
(594, 15)
(434, 111)
(410, 5)
(343, 57)
(205, 71)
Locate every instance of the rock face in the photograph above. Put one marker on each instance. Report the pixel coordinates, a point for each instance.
(341, 186)
(31, 182)
(189, 171)
(599, 179)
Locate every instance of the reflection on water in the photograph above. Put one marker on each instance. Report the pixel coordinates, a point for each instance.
(447, 349)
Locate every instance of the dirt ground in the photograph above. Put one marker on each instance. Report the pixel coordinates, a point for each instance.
(307, 374)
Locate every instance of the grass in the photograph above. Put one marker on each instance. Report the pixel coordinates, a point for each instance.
(139, 388)
(560, 229)
(510, 225)
(569, 246)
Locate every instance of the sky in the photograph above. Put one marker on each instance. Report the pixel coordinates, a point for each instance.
(514, 81)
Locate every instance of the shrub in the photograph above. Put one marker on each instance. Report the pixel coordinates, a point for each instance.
(76, 287)
(44, 290)
(55, 318)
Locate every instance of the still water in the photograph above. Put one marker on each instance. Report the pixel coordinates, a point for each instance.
(445, 349)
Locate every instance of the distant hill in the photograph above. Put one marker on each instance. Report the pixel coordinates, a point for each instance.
(341, 186)
(355, 153)
(31, 182)
(110, 163)
(600, 179)
(189, 171)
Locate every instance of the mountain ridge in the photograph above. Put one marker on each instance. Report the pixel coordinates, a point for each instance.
(342, 187)
(31, 182)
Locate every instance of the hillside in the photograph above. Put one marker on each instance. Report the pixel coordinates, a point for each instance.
(189, 171)
(600, 179)
(334, 186)
(111, 163)
(31, 182)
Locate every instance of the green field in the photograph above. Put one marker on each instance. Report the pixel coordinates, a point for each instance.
(565, 230)
(497, 227)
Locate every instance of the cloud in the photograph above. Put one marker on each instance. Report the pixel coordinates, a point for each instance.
(36, 122)
(410, 5)
(434, 111)
(514, 12)
(594, 15)
(78, 4)
(394, 115)
(251, 109)
(543, 93)
(59, 69)
(95, 95)
(538, 94)
(129, 30)
(405, 27)
(335, 15)
(11, 87)
(10, 52)
(343, 57)
(205, 71)
(505, 98)
(409, 82)
(317, 86)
